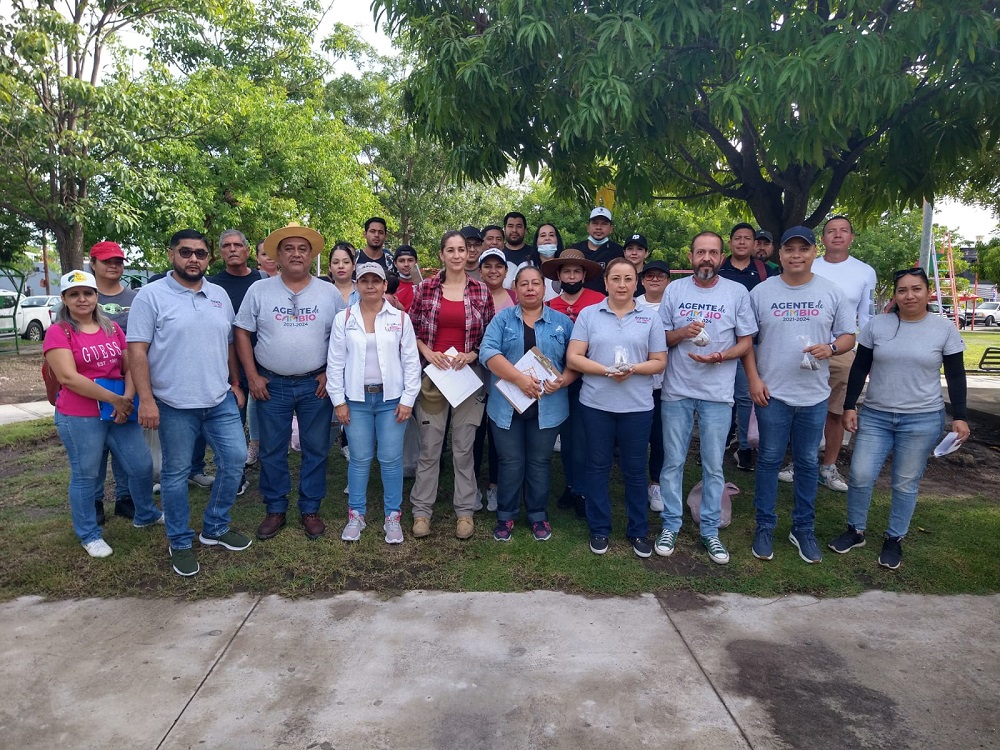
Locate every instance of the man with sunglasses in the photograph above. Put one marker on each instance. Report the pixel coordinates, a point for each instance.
(857, 280)
(107, 263)
(185, 370)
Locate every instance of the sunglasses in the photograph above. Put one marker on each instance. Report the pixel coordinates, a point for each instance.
(187, 252)
(897, 275)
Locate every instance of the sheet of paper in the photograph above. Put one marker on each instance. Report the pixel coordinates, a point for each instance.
(455, 385)
(539, 366)
(948, 445)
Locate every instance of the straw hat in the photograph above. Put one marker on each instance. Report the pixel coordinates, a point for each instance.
(294, 229)
(571, 257)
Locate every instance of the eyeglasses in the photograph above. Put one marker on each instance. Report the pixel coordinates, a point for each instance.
(187, 252)
(915, 271)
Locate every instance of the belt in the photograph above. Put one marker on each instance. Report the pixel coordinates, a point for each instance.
(268, 374)
(377, 388)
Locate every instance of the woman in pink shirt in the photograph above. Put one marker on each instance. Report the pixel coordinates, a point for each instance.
(82, 348)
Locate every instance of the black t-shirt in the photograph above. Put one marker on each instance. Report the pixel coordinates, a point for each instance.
(527, 254)
(384, 260)
(236, 286)
(602, 255)
(531, 413)
(749, 277)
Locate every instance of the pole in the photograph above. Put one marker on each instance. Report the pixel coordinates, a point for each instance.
(45, 261)
(926, 236)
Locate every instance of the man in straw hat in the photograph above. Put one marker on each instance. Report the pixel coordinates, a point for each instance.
(185, 371)
(291, 315)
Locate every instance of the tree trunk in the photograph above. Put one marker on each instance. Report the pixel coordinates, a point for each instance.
(69, 243)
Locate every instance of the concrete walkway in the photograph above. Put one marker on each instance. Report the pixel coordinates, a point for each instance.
(10, 413)
(469, 671)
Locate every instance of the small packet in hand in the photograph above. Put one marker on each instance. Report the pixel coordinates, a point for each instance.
(809, 362)
(622, 363)
(702, 339)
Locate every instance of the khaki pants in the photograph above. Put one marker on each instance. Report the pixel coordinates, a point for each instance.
(465, 420)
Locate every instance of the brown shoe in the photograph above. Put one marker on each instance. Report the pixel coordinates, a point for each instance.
(465, 528)
(271, 525)
(314, 526)
(421, 526)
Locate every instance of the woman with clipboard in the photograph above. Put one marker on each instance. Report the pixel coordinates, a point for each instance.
(84, 346)
(525, 350)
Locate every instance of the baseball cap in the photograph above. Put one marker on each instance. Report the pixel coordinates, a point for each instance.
(469, 232)
(600, 212)
(77, 278)
(365, 268)
(655, 265)
(804, 233)
(107, 250)
(492, 253)
(763, 234)
(405, 250)
(637, 239)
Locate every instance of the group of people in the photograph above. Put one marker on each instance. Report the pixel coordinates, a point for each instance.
(619, 362)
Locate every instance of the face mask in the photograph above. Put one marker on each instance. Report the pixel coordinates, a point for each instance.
(547, 251)
(573, 288)
(596, 242)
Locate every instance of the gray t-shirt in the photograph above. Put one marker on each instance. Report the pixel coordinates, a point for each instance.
(117, 306)
(790, 318)
(906, 362)
(725, 310)
(188, 334)
(293, 330)
(638, 334)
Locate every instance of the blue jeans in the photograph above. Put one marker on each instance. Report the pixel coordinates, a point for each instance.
(274, 417)
(525, 453)
(656, 439)
(86, 439)
(910, 438)
(374, 420)
(630, 430)
(713, 427)
(744, 405)
(573, 445)
(118, 472)
(804, 425)
(179, 431)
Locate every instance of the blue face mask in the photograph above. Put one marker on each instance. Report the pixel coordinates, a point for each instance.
(547, 251)
(596, 242)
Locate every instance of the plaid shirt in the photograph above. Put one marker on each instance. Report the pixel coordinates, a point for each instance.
(426, 307)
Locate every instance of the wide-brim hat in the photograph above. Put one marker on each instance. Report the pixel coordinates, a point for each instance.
(314, 238)
(570, 257)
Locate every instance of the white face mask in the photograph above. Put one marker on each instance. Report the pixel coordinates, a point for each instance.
(547, 251)
(596, 242)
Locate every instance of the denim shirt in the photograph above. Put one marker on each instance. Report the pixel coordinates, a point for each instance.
(505, 336)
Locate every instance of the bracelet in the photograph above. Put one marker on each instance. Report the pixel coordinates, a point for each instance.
(720, 358)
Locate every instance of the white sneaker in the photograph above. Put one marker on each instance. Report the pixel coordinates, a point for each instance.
(787, 474)
(355, 525)
(156, 488)
(478, 506)
(557, 448)
(392, 528)
(98, 548)
(202, 480)
(491, 499)
(346, 452)
(655, 498)
(829, 476)
(253, 453)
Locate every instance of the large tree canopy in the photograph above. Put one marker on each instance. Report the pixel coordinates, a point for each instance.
(788, 106)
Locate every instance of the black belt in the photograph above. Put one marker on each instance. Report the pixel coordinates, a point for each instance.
(269, 374)
(377, 388)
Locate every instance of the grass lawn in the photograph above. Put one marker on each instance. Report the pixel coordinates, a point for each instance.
(976, 343)
(953, 546)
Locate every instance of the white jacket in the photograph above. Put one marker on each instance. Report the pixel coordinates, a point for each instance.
(398, 358)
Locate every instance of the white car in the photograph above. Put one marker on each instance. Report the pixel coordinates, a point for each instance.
(31, 317)
(987, 313)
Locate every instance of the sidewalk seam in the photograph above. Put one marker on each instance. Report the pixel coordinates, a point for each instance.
(211, 669)
(708, 677)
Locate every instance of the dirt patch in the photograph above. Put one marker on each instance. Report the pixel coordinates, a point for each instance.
(21, 375)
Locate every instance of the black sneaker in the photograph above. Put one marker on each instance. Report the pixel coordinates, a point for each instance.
(99, 507)
(580, 503)
(847, 541)
(744, 459)
(640, 545)
(892, 552)
(598, 544)
(125, 508)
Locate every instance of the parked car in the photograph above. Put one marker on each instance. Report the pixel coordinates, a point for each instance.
(29, 315)
(987, 314)
(948, 312)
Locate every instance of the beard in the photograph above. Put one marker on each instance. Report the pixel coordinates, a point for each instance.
(187, 276)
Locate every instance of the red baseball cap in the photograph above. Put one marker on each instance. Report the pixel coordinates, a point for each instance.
(107, 250)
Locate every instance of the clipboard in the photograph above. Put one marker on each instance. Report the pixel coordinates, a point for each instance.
(539, 366)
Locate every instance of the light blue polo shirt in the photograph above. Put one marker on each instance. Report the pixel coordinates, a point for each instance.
(640, 333)
(188, 334)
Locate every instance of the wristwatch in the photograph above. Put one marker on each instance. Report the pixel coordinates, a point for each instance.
(833, 348)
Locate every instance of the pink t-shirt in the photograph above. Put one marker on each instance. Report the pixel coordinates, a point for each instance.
(97, 355)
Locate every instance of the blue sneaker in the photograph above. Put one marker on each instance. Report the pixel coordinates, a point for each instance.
(805, 542)
(763, 544)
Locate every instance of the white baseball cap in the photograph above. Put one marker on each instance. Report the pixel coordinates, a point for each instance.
(77, 278)
(600, 212)
(374, 268)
